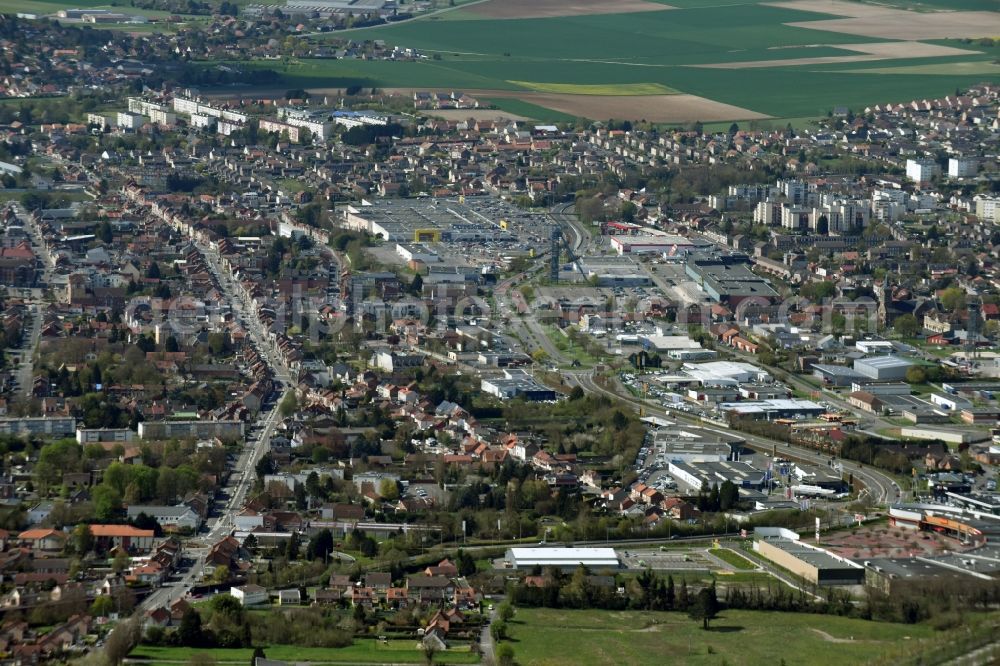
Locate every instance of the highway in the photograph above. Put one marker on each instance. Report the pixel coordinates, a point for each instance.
(881, 487)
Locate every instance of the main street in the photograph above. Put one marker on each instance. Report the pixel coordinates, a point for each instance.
(32, 333)
(244, 471)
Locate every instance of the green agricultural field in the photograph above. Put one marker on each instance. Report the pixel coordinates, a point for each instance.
(362, 652)
(547, 637)
(655, 53)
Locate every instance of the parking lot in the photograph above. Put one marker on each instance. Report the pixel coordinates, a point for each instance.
(666, 560)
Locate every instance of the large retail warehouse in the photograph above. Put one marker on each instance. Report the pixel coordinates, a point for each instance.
(563, 558)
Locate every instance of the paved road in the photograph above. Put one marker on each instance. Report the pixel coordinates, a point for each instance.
(486, 640)
(882, 488)
(33, 332)
(26, 352)
(244, 472)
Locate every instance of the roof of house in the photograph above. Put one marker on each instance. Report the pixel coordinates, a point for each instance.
(119, 531)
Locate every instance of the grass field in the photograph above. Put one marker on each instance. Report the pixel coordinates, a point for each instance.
(362, 652)
(545, 637)
(733, 558)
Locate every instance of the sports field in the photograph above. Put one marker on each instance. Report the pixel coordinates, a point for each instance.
(737, 60)
(546, 637)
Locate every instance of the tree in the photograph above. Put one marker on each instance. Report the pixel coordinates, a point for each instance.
(576, 393)
(153, 272)
(417, 286)
(289, 404)
(103, 606)
(498, 630)
(505, 655)
(104, 232)
(505, 611)
(705, 606)
(916, 375)
(466, 563)
(683, 599)
(953, 298)
(123, 640)
(121, 562)
(106, 502)
(292, 547)
(83, 539)
(388, 489)
(729, 495)
(189, 633)
(172, 345)
(320, 546)
(906, 326)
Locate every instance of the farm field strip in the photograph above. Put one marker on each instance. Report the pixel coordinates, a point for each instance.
(597, 89)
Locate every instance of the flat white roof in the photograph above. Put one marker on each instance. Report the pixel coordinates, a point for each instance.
(564, 556)
(885, 362)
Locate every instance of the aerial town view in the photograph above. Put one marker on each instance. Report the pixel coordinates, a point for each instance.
(501, 332)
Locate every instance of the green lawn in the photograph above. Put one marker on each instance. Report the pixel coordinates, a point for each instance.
(362, 652)
(733, 558)
(546, 637)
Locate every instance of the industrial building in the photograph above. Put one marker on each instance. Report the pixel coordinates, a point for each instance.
(468, 219)
(883, 368)
(836, 375)
(669, 343)
(613, 271)
(769, 410)
(816, 565)
(697, 475)
(692, 444)
(728, 279)
(566, 559)
(665, 244)
(725, 373)
(517, 384)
